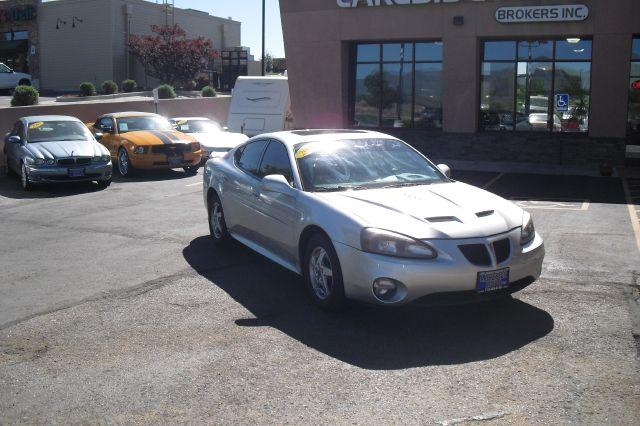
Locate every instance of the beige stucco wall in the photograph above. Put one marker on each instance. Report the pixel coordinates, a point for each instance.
(95, 50)
(317, 31)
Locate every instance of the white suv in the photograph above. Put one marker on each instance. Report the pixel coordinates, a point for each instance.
(9, 79)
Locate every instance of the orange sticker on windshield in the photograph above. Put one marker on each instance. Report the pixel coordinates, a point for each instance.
(36, 125)
(303, 152)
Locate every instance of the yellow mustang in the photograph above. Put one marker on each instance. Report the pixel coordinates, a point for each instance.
(140, 140)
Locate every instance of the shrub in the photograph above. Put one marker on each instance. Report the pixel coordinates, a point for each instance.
(87, 89)
(25, 96)
(166, 91)
(129, 86)
(209, 92)
(109, 87)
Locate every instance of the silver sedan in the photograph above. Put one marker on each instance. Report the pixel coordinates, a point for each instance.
(361, 215)
(54, 149)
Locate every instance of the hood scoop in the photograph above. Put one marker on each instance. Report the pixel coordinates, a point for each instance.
(485, 213)
(441, 219)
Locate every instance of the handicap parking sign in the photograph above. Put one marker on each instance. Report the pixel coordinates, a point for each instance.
(562, 103)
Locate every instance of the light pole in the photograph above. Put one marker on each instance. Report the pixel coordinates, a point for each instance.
(263, 32)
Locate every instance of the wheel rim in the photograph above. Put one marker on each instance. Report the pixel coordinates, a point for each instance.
(216, 220)
(321, 273)
(23, 177)
(123, 162)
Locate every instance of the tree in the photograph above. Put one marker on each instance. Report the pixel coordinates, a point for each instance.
(268, 62)
(169, 55)
(379, 89)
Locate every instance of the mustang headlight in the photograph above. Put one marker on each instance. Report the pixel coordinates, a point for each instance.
(390, 243)
(139, 150)
(528, 232)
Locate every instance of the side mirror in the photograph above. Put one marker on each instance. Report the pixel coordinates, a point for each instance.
(98, 136)
(278, 184)
(106, 129)
(14, 139)
(446, 170)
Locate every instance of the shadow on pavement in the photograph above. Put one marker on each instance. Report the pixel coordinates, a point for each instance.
(367, 336)
(10, 188)
(151, 176)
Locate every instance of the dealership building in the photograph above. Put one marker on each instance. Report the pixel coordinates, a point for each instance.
(531, 81)
(65, 42)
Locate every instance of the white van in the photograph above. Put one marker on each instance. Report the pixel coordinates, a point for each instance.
(260, 105)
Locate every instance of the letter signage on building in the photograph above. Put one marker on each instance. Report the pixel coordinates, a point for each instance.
(18, 14)
(356, 3)
(551, 13)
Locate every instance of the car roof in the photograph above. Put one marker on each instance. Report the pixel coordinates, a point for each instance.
(36, 118)
(130, 114)
(295, 137)
(192, 118)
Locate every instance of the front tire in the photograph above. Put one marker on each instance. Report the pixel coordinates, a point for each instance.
(322, 273)
(24, 179)
(191, 171)
(24, 82)
(217, 223)
(104, 184)
(125, 168)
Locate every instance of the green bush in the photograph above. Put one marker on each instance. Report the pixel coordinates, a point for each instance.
(109, 87)
(25, 96)
(209, 92)
(129, 86)
(87, 89)
(166, 91)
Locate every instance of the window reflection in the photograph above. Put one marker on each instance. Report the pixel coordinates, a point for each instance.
(633, 121)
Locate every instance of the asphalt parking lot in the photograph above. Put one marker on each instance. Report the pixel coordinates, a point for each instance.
(115, 307)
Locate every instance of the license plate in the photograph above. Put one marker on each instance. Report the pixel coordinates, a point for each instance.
(492, 281)
(174, 161)
(74, 173)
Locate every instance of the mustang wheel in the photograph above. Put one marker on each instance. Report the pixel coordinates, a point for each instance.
(322, 273)
(24, 179)
(124, 164)
(217, 224)
(191, 171)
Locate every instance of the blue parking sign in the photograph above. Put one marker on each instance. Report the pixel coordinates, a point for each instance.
(562, 103)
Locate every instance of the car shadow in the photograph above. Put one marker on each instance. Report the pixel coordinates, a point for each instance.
(10, 188)
(151, 176)
(365, 336)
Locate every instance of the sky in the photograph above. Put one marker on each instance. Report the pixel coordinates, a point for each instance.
(249, 12)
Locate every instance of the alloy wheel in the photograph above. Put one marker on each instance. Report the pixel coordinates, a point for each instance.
(123, 162)
(321, 273)
(216, 220)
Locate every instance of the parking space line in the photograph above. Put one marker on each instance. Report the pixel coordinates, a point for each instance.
(634, 214)
(195, 184)
(492, 181)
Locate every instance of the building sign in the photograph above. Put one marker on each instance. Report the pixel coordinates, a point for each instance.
(551, 13)
(356, 3)
(18, 14)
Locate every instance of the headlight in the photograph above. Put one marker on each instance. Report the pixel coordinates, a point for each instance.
(37, 161)
(528, 232)
(392, 244)
(50, 162)
(195, 146)
(101, 159)
(139, 150)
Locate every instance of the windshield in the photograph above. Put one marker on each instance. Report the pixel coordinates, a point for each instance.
(132, 124)
(4, 68)
(362, 164)
(49, 131)
(197, 126)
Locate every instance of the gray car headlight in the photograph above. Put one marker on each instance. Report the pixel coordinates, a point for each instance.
(101, 159)
(528, 232)
(50, 162)
(389, 243)
(36, 161)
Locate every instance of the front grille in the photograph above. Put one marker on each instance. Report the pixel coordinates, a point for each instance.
(80, 161)
(502, 250)
(171, 149)
(476, 254)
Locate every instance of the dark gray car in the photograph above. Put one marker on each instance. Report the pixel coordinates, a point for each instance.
(54, 149)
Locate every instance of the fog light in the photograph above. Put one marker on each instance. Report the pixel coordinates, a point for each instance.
(385, 289)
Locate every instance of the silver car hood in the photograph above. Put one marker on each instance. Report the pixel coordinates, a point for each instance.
(448, 210)
(219, 140)
(65, 149)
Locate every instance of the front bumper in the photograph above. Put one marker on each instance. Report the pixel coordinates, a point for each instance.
(54, 174)
(152, 161)
(448, 275)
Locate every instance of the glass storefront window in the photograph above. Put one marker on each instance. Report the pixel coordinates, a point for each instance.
(520, 94)
(633, 121)
(398, 85)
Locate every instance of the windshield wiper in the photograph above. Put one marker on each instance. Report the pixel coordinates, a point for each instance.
(338, 188)
(403, 184)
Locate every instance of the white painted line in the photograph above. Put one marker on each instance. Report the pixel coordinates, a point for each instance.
(195, 184)
(492, 181)
(635, 223)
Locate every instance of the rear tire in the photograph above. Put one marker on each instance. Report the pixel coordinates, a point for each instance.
(322, 273)
(217, 223)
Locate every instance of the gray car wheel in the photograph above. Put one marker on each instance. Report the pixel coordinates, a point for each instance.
(217, 224)
(322, 273)
(24, 179)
